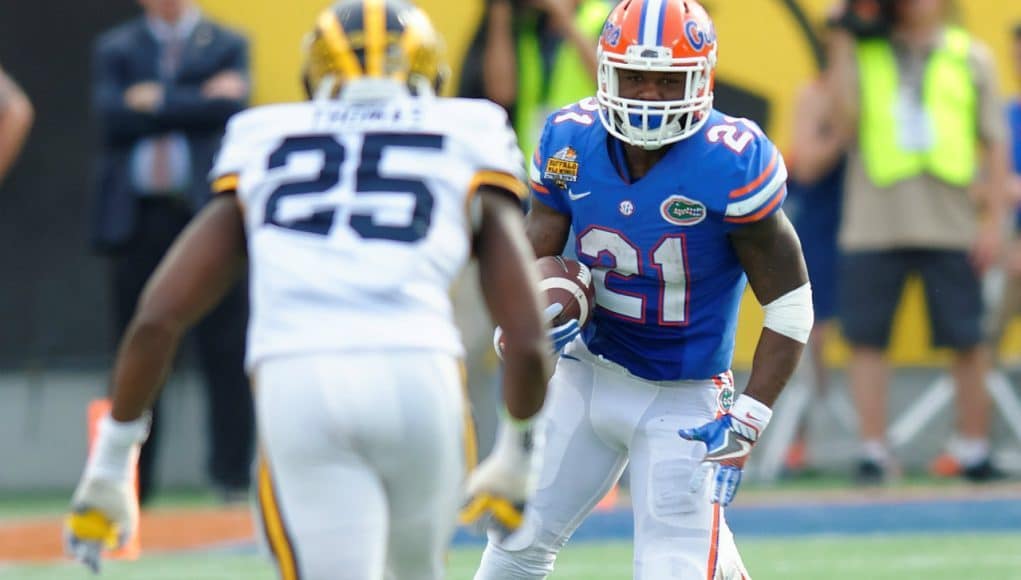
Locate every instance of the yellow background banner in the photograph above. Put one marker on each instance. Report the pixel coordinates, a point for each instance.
(764, 49)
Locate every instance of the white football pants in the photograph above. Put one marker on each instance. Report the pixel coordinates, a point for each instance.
(598, 418)
(362, 464)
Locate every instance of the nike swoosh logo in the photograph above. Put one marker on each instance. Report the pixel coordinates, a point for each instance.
(577, 196)
(745, 449)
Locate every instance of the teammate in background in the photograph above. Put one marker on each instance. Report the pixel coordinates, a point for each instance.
(674, 204)
(16, 116)
(815, 187)
(359, 208)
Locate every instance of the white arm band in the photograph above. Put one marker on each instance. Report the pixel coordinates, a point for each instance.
(791, 314)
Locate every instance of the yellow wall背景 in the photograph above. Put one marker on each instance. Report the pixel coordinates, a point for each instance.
(765, 49)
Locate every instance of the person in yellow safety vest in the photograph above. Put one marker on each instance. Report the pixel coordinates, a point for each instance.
(539, 56)
(922, 102)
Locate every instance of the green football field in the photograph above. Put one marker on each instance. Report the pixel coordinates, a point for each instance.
(929, 557)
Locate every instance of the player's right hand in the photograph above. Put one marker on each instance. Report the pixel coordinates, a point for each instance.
(563, 334)
(499, 487)
(104, 507)
(560, 336)
(103, 515)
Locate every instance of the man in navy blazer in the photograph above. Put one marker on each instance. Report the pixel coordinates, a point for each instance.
(164, 86)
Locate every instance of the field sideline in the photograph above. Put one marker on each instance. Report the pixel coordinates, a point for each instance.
(929, 557)
(930, 532)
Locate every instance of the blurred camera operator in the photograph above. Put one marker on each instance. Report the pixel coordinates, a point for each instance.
(918, 97)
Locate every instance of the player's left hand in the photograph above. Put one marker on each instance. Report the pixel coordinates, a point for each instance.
(729, 440)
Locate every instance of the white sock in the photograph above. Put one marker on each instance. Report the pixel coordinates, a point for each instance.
(875, 450)
(968, 451)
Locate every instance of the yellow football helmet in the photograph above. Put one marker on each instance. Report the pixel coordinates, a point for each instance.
(388, 39)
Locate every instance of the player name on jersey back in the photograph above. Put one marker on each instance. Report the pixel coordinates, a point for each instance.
(369, 116)
(356, 217)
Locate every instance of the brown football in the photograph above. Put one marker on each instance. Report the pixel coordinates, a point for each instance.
(569, 283)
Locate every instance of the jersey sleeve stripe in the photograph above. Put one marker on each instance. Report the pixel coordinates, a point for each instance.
(760, 198)
(763, 211)
(533, 170)
(538, 187)
(498, 179)
(225, 183)
(758, 180)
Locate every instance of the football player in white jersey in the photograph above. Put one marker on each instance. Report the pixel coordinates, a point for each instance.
(354, 212)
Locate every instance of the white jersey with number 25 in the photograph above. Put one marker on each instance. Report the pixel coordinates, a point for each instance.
(359, 217)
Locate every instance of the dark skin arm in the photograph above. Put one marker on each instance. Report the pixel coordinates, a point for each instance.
(547, 229)
(206, 260)
(16, 116)
(509, 281)
(770, 252)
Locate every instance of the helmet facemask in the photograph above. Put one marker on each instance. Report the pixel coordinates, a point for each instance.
(654, 124)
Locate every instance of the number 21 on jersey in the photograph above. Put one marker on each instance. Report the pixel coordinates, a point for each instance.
(667, 258)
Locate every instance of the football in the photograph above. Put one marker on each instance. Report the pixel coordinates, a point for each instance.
(569, 283)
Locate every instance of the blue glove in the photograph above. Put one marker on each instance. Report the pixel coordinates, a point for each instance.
(560, 335)
(729, 440)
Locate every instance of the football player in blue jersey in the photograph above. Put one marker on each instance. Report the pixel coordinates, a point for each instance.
(675, 206)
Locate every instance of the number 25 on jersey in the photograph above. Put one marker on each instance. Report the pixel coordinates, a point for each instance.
(318, 214)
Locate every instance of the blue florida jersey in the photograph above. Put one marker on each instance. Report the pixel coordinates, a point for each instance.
(668, 282)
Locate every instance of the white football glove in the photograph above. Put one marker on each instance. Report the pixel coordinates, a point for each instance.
(499, 487)
(104, 508)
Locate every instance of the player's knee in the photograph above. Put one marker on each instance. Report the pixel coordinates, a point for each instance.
(524, 555)
(531, 563)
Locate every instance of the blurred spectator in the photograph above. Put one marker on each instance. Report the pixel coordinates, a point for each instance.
(164, 86)
(815, 187)
(540, 55)
(15, 121)
(921, 97)
(1011, 304)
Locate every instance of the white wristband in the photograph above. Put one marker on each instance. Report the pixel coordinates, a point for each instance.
(752, 415)
(115, 451)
